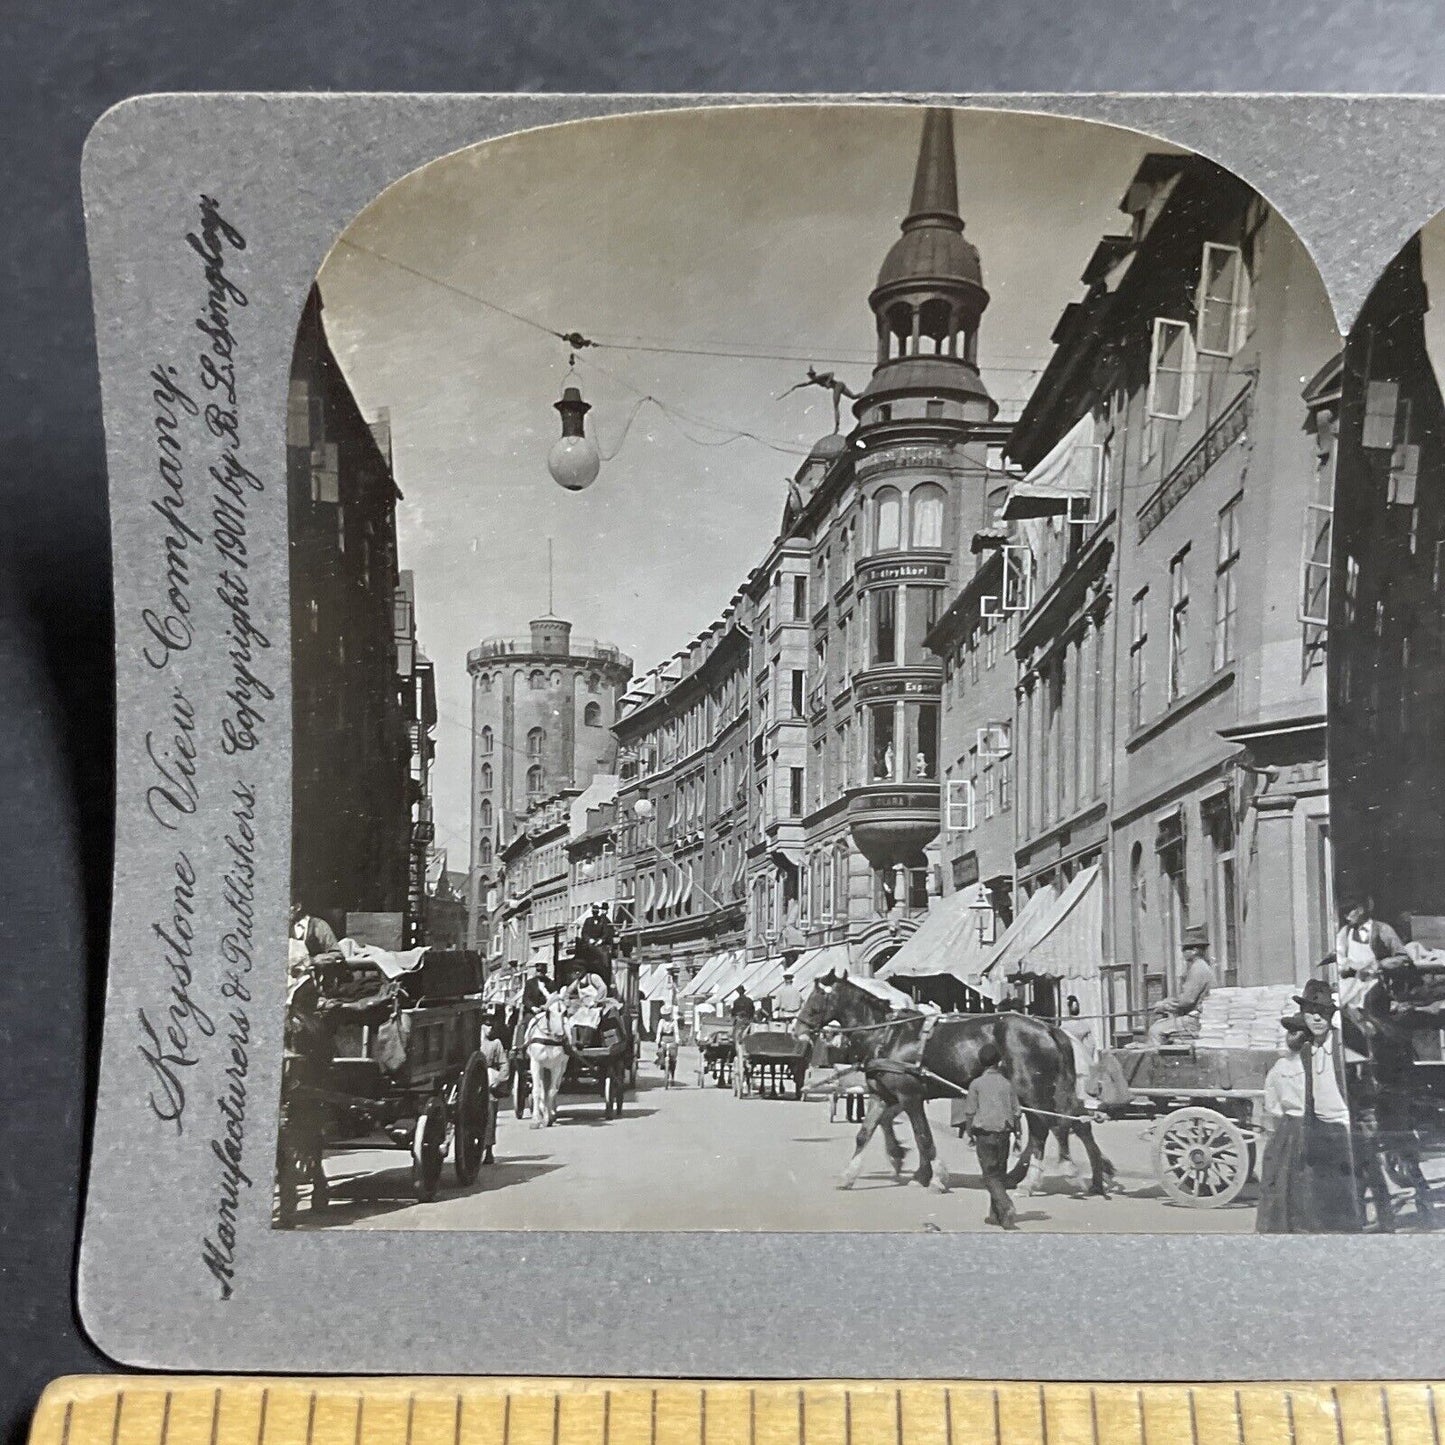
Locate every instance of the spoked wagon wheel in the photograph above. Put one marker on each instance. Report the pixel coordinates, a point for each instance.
(470, 1127)
(1201, 1158)
(428, 1150)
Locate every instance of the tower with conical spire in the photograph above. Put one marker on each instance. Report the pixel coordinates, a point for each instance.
(929, 298)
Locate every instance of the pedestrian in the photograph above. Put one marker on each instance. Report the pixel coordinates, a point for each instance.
(1081, 1037)
(1180, 1012)
(499, 1077)
(1307, 1177)
(991, 1118)
(315, 933)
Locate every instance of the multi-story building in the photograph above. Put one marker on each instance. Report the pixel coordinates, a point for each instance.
(353, 687)
(531, 913)
(683, 800)
(1168, 734)
(1383, 595)
(418, 681)
(542, 710)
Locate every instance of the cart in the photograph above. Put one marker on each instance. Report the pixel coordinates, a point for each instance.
(767, 1058)
(603, 1058)
(392, 1062)
(1205, 1102)
(716, 1052)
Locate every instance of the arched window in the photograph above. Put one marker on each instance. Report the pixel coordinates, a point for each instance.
(535, 739)
(486, 740)
(887, 520)
(592, 715)
(484, 819)
(534, 780)
(486, 777)
(537, 680)
(484, 851)
(926, 504)
(593, 682)
(484, 684)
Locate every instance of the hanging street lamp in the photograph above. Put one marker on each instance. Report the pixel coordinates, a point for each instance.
(574, 460)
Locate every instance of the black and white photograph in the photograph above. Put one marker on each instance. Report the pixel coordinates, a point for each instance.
(822, 638)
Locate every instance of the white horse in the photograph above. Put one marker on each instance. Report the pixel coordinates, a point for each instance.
(546, 1043)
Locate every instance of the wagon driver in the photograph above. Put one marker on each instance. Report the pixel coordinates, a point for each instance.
(788, 1000)
(1179, 1013)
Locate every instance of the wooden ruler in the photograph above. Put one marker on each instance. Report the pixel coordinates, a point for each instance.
(195, 1410)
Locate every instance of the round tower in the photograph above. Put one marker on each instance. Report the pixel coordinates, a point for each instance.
(542, 712)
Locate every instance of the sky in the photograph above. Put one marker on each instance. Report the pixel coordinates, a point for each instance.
(749, 228)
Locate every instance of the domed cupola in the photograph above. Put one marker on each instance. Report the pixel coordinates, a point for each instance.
(930, 294)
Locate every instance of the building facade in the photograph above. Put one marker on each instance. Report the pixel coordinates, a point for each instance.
(682, 807)
(353, 685)
(542, 710)
(1383, 596)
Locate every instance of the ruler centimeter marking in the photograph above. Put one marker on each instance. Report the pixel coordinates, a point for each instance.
(140, 1410)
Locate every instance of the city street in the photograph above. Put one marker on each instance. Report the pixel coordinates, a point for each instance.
(699, 1158)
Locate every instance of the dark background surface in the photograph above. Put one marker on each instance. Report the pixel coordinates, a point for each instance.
(65, 64)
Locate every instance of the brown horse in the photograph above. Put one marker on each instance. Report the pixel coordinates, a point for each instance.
(906, 1064)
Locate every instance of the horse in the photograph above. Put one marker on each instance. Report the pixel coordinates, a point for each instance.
(906, 1062)
(548, 1047)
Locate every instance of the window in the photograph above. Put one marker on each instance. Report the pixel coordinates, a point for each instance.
(1315, 565)
(887, 520)
(927, 507)
(1382, 406)
(959, 812)
(840, 881)
(921, 722)
(325, 474)
(1171, 371)
(920, 612)
(800, 599)
(1223, 300)
(933, 409)
(1224, 888)
(885, 626)
(537, 680)
(795, 792)
(535, 739)
(484, 851)
(592, 715)
(881, 726)
(484, 816)
(799, 682)
(486, 777)
(1226, 586)
(1138, 642)
(1178, 624)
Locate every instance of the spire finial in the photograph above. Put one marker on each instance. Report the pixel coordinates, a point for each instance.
(935, 182)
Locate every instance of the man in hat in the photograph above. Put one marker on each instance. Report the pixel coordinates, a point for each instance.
(1179, 1013)
(1333, 1195)
(788, 1000)
(1364, 947)
(991, 1118)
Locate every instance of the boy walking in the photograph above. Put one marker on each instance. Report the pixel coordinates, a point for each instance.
(991, 1118)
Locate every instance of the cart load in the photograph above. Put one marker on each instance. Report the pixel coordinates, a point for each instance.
(767, 1058)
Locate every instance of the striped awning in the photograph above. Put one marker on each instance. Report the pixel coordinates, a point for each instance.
(1070, 942)
(702, 984)
(946, 942)
(1004, 957)
(1056, 935)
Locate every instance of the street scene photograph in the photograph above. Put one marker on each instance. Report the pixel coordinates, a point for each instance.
(863, 668)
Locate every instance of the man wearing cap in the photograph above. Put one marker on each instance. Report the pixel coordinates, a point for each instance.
(990, 1117)
(788, 1000)
(1179, 1013)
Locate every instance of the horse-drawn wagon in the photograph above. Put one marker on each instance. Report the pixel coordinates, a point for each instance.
(597, 1042)
(384, 1058)
(767, 1058)
(716, 1054)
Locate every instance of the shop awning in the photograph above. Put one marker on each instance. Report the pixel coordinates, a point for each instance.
(702, 983)
(946, 942)
(1005, 956)
(1070, 944)
(1056, 935)
(1064, 476)
(813, 965)
(880, 988)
